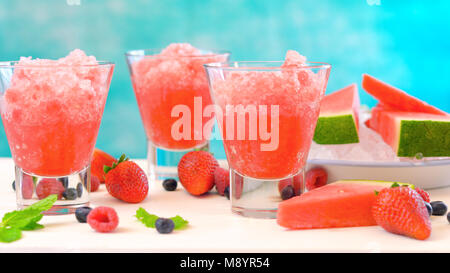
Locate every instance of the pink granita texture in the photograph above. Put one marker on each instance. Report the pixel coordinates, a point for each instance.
(173, 77)
(52, 112)
(72, 87)
(293, 58)
(297, 90)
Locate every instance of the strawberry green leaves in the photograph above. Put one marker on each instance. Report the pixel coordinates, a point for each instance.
(149, 220)
(27, 219)
(122, 158)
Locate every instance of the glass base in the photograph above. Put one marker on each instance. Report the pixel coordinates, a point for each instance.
(163, 163)
(72, 193)
(259, 198)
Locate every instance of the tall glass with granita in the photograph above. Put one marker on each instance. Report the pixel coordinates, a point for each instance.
(267, 113)
(51, 111)
(172, 92)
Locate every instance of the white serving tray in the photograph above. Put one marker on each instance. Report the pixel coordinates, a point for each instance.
(426, 174)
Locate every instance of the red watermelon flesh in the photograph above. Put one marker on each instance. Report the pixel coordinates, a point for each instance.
(331, 206)
(395, 98)
(344, 101)
(372, 123)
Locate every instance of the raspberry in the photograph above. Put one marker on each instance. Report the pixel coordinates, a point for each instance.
(103, 219)
(425, 196)
(316, 178)
(48, 186)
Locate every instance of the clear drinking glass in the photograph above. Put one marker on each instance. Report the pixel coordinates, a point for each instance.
(267, 114)
(171, 90)
(51, 115)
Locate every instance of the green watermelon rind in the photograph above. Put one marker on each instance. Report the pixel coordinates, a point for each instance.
(426, 137)
(336, 130)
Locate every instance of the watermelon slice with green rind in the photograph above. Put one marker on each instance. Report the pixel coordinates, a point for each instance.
(345, 203)
(412, 134)
(338, 121)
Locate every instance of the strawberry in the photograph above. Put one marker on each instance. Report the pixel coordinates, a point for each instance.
(196, 172)
(221, 179)
(126, 181)
(401, 210)
(99, 160)
(316, 178)
(425, 196)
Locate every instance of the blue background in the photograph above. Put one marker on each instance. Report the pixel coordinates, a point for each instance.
(405, 43)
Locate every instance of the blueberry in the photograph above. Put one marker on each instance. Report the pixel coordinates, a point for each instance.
(70, 194)
(14, 185)
(448, 217)
(287, 192)
(226, 192)
(79, 189)
(439, 208)
(82, 213)
(64, 181)
(429, 208)
(170, 184)
(164, 225)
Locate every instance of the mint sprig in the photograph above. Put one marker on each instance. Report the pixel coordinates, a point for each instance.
(149, 220)
(27, 219)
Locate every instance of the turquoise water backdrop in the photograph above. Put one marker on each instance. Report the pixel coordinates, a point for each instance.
(405, 43)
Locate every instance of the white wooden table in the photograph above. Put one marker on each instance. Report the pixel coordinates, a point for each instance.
(213, 228)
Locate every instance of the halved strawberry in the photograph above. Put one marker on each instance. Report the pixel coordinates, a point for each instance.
(196, 172)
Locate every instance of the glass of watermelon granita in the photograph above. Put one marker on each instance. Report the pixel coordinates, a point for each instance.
(267, 113)
(172, 92)
(51, 111)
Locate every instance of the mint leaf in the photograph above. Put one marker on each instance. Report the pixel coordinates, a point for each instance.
(149, 220)
(19, 218)
(8, 235)
(28, 216)
(179, 222)
(44, 204)
(146, 218)
(33, 225)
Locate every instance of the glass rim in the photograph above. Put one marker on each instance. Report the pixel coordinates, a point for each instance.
(265, 65)
(154, 53)
(15, 64)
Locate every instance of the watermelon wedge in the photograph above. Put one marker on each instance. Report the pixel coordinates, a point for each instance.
(346, 203)
(338, 121)
(396, 98)
(410, 134)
